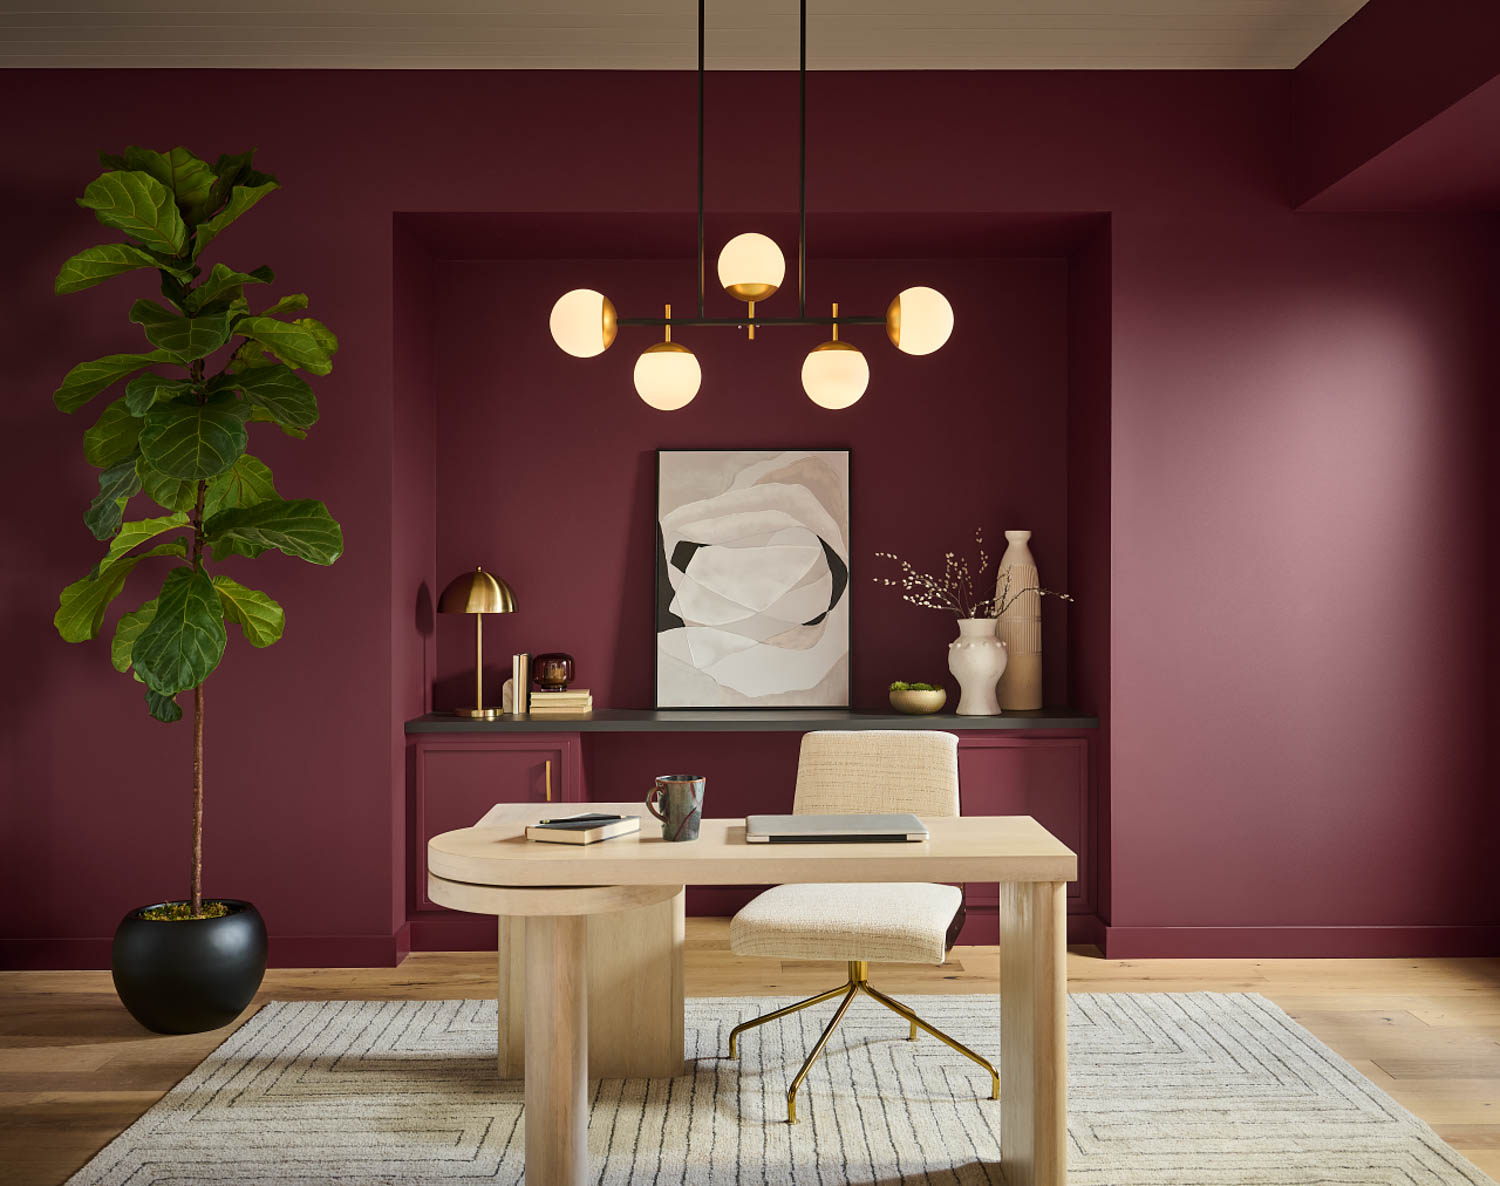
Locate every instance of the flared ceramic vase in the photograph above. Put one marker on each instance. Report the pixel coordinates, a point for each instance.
(1020, 626)
(977, 658)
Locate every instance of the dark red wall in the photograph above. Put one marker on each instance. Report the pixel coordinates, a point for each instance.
(1297, 486)
(547, 473)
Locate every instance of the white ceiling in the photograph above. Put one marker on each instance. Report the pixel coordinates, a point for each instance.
(661, 34)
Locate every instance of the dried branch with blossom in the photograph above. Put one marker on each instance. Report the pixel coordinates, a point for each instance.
(953, 590)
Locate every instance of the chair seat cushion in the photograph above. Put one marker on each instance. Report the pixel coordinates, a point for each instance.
(901, 922)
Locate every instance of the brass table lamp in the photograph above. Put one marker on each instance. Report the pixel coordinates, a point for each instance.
(477, 593)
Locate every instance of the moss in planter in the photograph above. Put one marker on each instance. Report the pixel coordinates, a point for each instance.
(183, 911)
(903, 686)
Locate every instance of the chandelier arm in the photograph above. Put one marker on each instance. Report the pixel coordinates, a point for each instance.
(700, 159)
(740, 322)
(802, 164)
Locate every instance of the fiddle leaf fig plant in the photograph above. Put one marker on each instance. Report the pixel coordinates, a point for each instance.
(177, 432)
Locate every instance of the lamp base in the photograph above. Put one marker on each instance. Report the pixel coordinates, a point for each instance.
(478, 714)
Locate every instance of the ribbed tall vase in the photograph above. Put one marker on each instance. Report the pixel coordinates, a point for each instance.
(1020, 626)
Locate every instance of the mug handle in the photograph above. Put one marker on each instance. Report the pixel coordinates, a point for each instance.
(651, 796)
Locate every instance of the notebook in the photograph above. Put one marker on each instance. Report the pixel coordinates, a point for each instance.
(834, 829)
(583, 829)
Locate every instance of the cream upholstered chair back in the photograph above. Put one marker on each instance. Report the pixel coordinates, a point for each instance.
(880, 770)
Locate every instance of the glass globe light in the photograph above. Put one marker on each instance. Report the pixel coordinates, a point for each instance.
(751, 267)
(835, 374)
(667, 376)
(919, 320)
(583, 322)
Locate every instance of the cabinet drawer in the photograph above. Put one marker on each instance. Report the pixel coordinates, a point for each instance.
(456, 783)
(1045, 778)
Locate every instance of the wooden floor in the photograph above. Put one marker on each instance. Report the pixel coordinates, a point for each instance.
(75, 1069)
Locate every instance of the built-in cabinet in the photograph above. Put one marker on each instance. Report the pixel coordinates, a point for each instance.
(456, 777)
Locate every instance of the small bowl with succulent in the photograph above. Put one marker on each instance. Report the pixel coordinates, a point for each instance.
(917, 699)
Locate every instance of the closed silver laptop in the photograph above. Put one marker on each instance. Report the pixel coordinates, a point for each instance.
(833, 829)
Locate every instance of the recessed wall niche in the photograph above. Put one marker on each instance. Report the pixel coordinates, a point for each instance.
(543, 465)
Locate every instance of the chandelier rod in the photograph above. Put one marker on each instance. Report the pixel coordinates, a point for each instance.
(802, 165)
(741, 322)
(700, 158)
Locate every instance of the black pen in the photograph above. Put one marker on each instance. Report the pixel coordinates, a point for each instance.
(573, 819)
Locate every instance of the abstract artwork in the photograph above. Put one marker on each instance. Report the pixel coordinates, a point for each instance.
(752, 578)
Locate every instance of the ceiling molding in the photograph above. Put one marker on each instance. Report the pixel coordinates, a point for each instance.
(661, 34)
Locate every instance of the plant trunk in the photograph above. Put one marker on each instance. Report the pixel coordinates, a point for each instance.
(197, 862)
(197, 873)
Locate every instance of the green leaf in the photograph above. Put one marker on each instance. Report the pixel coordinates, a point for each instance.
(127, 630)
(113, 436)
(139, 205)
(241, 198)
(117, 485)
(245, 483)
(232, 170)
(80, 607)
(324, 336)
(300, 527)
(292, 343)
(184, 640)
(261, 416)
(282, 392)
(88, 379)
(89, 267)
(290, 303)
(145, 390)
(260, 618)
(186, 338)
(190, 440)
(173, 494)
(163, 708)
(188, 178)
(135, 533)
(223, 284)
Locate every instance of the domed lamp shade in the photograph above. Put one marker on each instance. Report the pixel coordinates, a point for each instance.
(667, 375)
(477, 593)
(583, 322)
(751, 267)
(919, 320)
(835, 374)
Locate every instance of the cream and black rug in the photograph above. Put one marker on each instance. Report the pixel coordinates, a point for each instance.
(1195, 1089)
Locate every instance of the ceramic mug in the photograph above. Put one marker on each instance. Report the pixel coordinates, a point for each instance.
(677, 800)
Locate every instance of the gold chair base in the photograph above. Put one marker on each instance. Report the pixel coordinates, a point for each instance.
(857, 983)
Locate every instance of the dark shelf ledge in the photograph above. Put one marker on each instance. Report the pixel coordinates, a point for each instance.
(629, 720)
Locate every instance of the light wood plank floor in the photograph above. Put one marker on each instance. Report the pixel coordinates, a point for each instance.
(75, 1069)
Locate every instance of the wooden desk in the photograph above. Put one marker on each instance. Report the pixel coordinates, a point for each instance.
(492, 868)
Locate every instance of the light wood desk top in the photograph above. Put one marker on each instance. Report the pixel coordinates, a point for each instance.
(1012, 848)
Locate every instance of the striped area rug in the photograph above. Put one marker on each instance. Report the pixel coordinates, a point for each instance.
(1194, 1089)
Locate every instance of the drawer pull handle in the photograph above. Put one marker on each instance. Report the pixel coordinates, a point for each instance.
(549, 780)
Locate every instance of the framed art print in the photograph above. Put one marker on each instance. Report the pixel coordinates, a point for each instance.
(752, 578)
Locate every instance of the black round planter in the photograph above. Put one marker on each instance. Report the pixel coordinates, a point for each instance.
(189, 975)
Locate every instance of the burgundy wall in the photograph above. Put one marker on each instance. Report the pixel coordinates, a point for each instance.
(1391, 68)
(547, 474)
(1297, 484)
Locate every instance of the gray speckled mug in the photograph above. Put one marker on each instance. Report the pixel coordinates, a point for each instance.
(677, 800)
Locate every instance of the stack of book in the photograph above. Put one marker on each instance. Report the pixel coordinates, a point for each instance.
(583, 829)
(562, 704)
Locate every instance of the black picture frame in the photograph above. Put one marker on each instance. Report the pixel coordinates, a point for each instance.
(659, 569)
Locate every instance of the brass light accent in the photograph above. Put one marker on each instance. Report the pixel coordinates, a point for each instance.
(478, 593)
(857, 984)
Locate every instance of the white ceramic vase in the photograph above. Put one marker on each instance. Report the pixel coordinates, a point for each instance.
(1020, 626)
(977, 658)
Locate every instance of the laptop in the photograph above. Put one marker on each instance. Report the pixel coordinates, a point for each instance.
(834, 829)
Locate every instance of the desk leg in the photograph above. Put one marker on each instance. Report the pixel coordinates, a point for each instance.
(557, 1052)
(1033, 1034)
